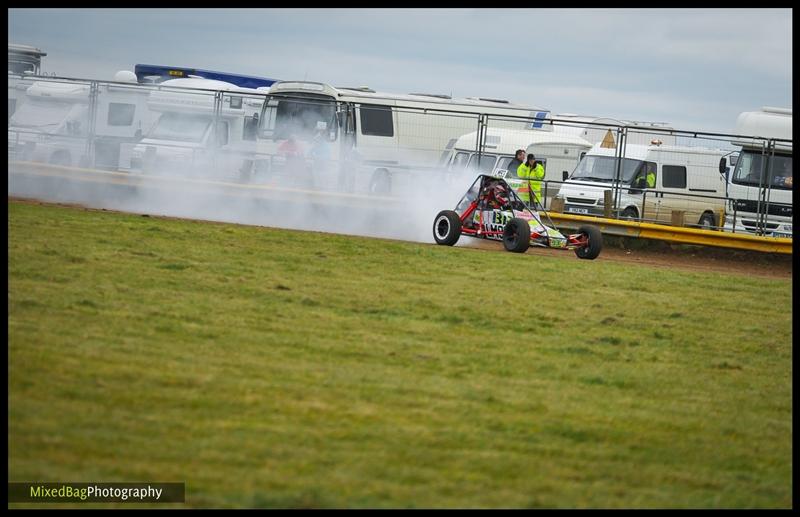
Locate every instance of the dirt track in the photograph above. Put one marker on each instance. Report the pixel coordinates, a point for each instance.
(696, 258)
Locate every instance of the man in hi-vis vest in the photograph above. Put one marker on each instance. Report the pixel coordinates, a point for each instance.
(531, 190)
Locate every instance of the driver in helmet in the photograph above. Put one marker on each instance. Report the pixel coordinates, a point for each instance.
(496, 195)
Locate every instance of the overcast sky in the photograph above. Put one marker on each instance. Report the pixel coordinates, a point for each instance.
(694, 68)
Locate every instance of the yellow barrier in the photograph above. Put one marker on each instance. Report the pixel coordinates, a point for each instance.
(680, 235)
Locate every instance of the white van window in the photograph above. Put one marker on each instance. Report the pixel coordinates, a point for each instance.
(459, 161)
(446, 152)
(673, 176)
(604, 168)
(120, 114)
(486, 163)
(376, 120)
(504, 161)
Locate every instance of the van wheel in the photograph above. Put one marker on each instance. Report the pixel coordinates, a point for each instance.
(517, 235)
(381, 182)
(595, 244)
(630, 214)
(446, 228)
(707, 222)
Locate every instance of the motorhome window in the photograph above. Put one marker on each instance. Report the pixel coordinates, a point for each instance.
(181, 126)
(752, 164)
(673, 176)
(604, 169)
(300, 117)
(120, 114)
(486, 163)
(376, 120)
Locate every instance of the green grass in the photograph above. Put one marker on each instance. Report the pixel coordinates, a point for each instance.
(272, 368)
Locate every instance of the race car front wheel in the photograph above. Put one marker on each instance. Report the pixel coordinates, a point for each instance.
(517, 235)
(593, 245)
(446, 228)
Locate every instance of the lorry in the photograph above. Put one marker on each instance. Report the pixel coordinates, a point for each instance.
(760, 186)
(79, 123)
(379, 139)
(204, 126)
(686, 179)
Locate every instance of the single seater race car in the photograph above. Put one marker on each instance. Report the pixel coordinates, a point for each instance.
(492, 210)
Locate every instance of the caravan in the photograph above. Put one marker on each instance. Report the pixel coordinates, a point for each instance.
(66, 123)
(761, 183)
(687, 180)
(559, 154)
(203, 125)
(384, 135)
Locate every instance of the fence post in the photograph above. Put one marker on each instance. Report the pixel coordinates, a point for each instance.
(678, 217)
(608, 200)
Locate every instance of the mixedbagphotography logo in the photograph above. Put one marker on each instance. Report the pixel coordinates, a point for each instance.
(33, 492)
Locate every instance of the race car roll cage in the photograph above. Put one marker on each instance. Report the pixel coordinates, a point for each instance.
(514, 204)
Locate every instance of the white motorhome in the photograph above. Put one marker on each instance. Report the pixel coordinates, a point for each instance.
(761, 183)
(386, 135)
(595, 129)
(64, 123)
(559, 154)
(687, 179)
(24, 61)
(203, 125)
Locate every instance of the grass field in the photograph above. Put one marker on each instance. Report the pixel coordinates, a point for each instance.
(272, 368)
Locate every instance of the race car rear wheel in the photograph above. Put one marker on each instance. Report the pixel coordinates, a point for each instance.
(594, 244)
(446, 228)
(517, 235)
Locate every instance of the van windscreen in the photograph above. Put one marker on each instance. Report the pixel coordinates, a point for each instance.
(604, 168)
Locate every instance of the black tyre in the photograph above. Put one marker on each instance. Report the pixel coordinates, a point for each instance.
(707, 222)
(446, 228)
(630, 213)
(517, 235)
(592, 249)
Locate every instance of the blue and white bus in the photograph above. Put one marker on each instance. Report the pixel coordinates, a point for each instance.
(159, 73)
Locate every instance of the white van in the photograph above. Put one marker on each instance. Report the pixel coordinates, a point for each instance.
(64, 123)
(185, 139)
(688, 179)
(559, 154)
